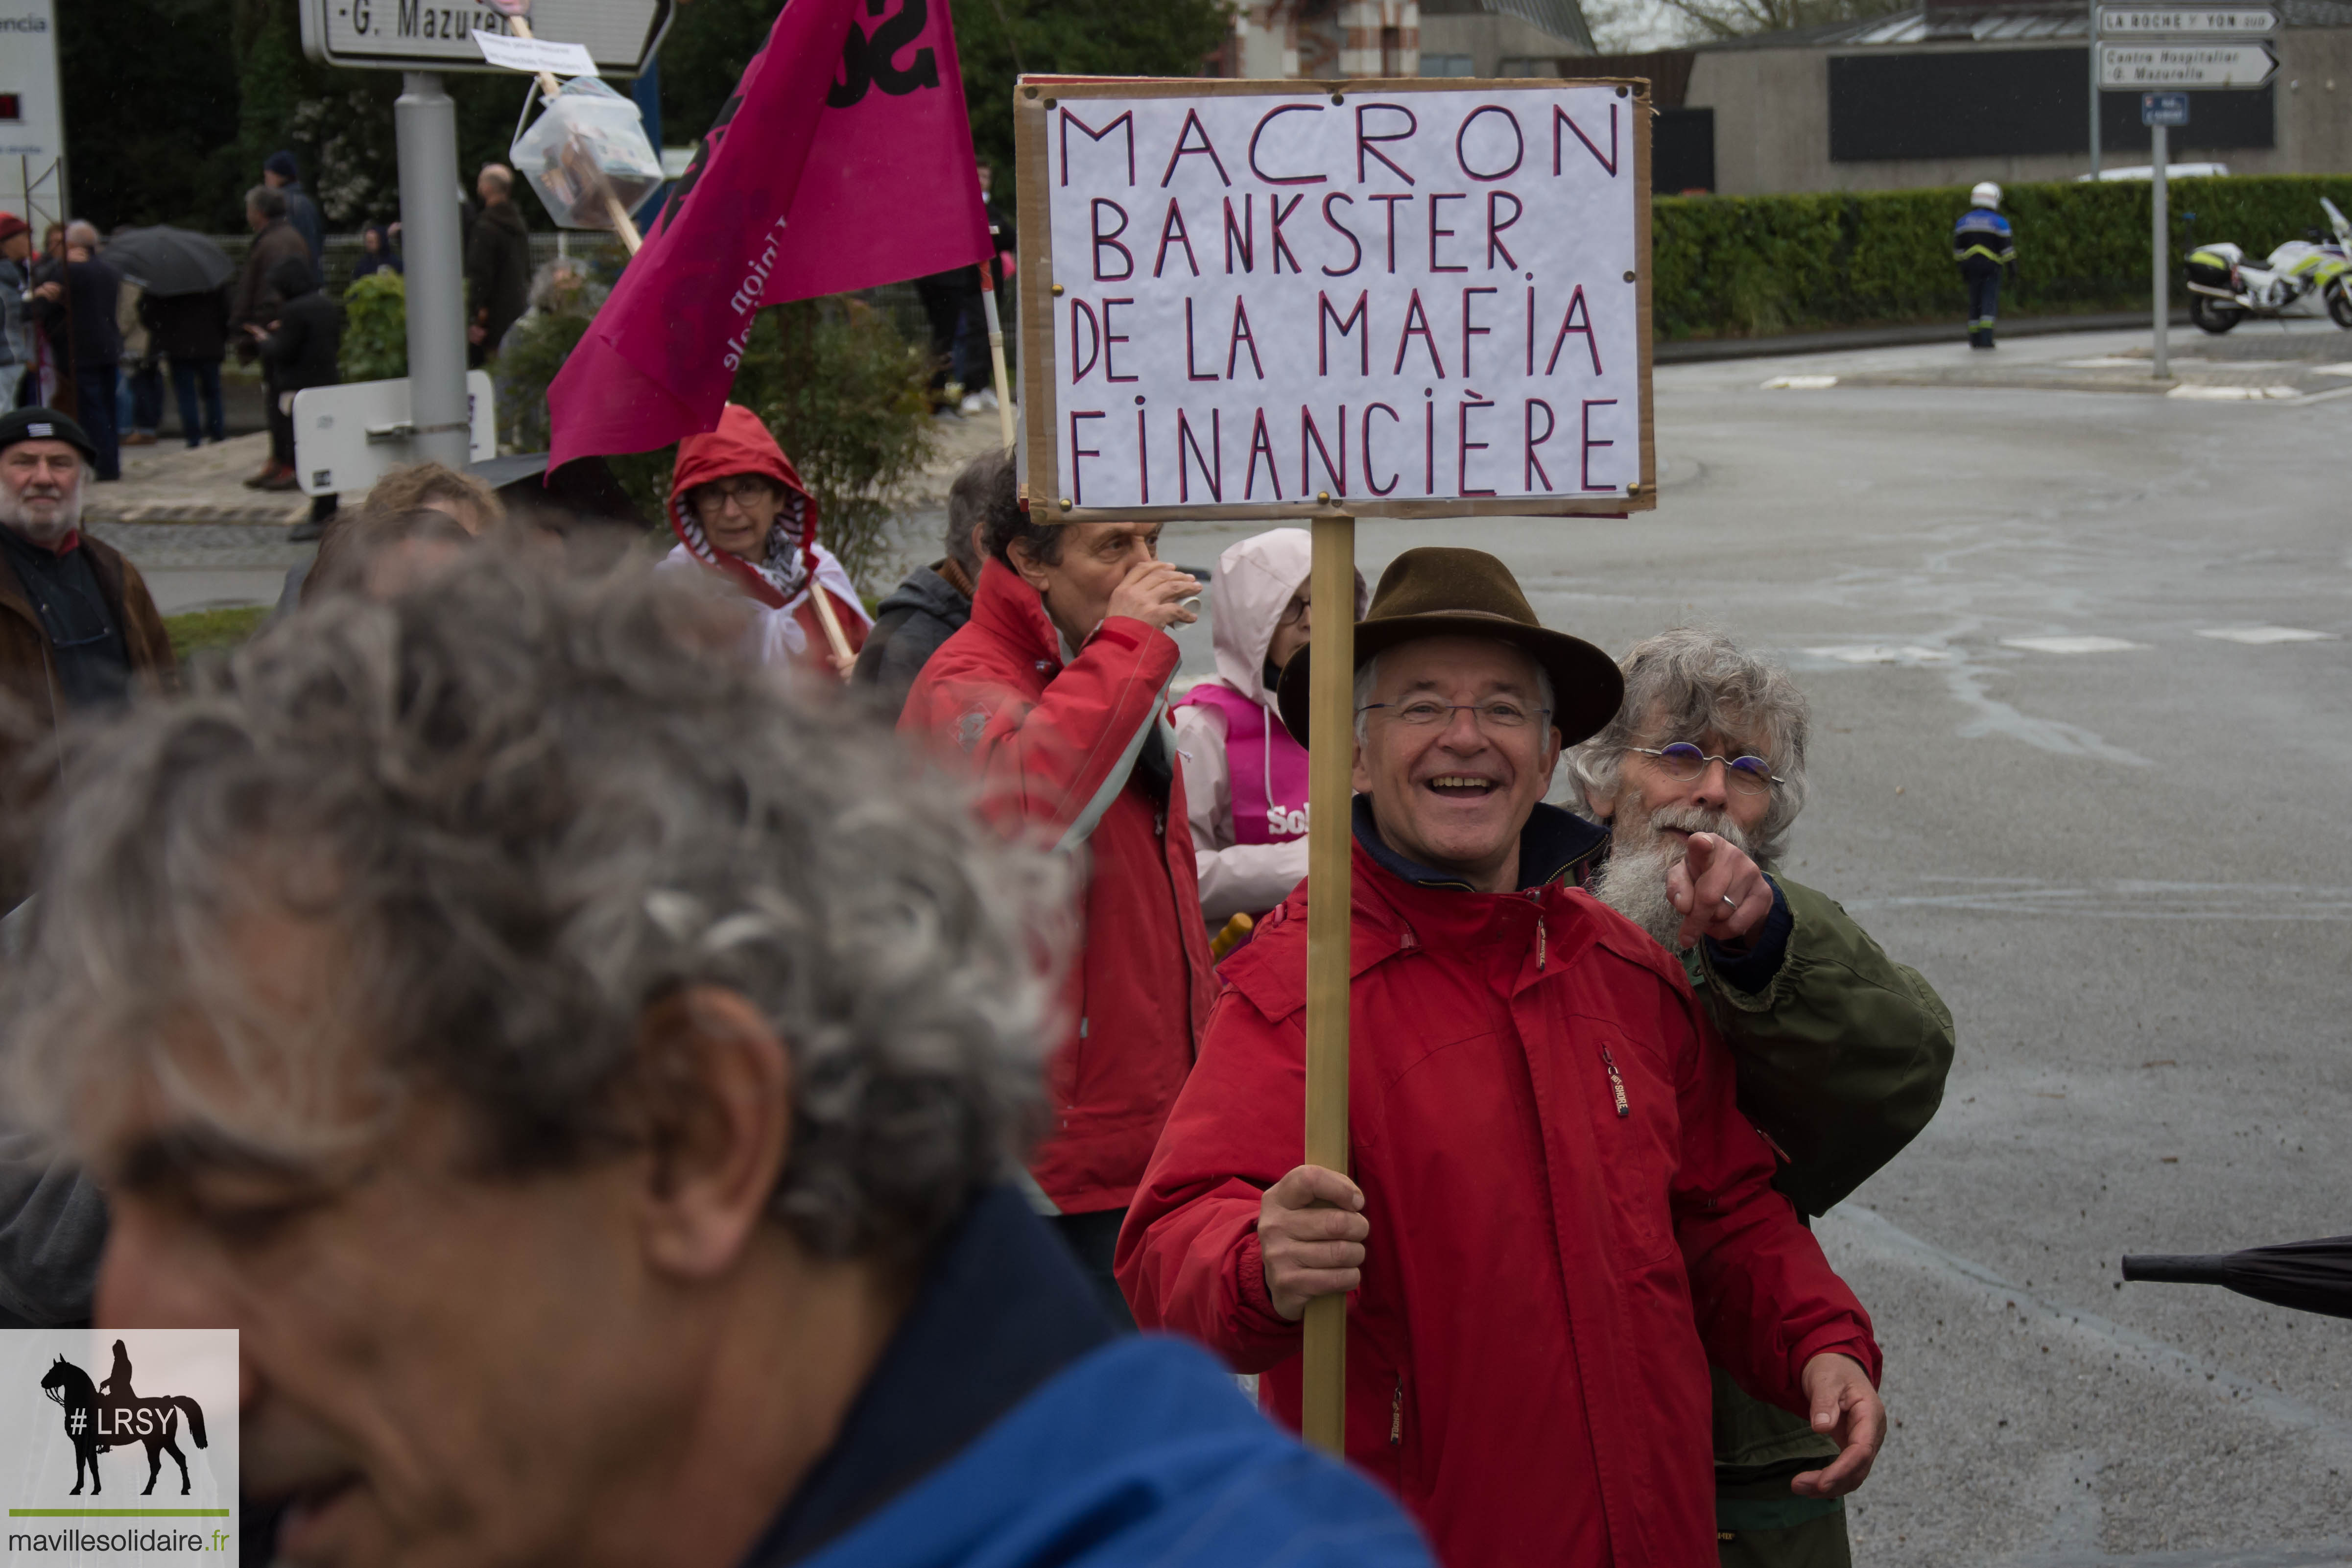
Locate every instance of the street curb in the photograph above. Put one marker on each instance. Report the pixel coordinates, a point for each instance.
(1701, 351)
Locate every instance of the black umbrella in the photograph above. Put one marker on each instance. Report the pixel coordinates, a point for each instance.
(166, 262)
(2308, 1276)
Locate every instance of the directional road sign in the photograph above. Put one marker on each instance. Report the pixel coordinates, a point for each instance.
(2146, 65)
(413, 35)
(2164, 108)
(2187, 21)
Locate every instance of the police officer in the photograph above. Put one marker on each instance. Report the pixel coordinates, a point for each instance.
(1983, 246)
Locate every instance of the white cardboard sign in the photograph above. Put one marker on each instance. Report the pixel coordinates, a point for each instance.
(534, 54)
(1380, 299)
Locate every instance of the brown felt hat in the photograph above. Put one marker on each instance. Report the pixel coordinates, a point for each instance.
(1436, 592)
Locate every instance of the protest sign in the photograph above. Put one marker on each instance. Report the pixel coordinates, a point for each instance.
(1401, 299)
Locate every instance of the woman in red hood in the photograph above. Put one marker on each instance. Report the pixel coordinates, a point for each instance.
(739, 509)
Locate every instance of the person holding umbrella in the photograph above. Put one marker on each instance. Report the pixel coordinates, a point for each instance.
(182, 304)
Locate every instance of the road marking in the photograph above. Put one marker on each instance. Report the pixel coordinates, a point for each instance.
(2344, 368)
(2126, 898)
(1874, 652)
(2261, 636)
(1800, 383)
(2071, 644)
(1866, 1230)
(2201, 392)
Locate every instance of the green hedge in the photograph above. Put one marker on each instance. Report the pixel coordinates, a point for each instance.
(1751, 266)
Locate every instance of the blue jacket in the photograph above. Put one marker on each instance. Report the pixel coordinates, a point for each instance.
(1982, 237)
(1007, 1425)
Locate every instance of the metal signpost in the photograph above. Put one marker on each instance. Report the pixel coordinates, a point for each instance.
(2160, 112)
(2158, 51)
(421, 41)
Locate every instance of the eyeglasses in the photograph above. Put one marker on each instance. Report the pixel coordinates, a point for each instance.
(1295, 611)
(1685, 762)
(713, 497)
(1422, 713)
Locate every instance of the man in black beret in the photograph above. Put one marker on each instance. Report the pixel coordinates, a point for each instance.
(77, 622)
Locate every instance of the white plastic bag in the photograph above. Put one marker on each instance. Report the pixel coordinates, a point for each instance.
(589, 141)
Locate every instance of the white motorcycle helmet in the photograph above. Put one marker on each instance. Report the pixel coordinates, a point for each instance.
(1985, 195)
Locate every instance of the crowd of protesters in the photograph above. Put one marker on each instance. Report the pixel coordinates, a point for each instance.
(917, 1087)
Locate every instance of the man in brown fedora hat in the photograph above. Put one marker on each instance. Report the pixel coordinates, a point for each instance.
(1558, 1216)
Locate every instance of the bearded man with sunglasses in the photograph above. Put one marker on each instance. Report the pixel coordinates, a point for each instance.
(1554, 1217)
(1840, 1053)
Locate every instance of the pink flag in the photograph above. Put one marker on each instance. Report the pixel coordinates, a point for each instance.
(843, 160)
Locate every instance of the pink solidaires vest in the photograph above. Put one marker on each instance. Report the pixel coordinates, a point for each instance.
(1266, 770)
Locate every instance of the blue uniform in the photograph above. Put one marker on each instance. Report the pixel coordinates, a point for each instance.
(1983, 246)
(1008, 1427)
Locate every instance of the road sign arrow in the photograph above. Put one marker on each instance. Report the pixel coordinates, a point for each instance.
(2149, 66)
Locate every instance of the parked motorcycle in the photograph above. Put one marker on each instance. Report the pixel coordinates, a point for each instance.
(2223, 290)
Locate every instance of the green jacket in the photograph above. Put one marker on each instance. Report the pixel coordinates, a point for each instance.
(1840, 1061)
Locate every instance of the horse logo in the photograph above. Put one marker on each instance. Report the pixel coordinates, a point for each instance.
(98, 1419)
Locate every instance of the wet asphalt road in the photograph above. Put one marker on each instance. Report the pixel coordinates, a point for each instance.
(2126, 870)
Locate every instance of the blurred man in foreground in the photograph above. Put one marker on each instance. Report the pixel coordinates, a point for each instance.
(587, 1081)
(1840, 1053)
(1556, 1215)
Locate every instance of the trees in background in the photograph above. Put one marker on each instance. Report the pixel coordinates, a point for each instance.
(171, 105)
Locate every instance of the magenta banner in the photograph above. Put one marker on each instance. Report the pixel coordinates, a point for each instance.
(843, 160)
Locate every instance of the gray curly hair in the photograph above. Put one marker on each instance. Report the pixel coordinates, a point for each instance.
(518, 810)
(1691, 681)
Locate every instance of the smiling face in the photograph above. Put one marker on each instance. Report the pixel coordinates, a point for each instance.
(1454, 795)
(737, 511)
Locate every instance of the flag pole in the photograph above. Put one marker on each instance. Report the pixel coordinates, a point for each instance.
(632, 241)
(1331, 725)
(996, 350)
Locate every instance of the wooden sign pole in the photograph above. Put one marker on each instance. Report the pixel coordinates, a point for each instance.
(1331, 723)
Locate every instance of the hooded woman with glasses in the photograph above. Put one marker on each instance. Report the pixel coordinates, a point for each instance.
(1244, 777)
(739, 509)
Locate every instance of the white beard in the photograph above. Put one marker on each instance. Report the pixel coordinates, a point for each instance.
(17, 516)
(1633, 881)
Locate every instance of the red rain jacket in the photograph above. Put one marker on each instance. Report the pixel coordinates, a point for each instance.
(1054, 747)
(1546, 1279)
(795, 565)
